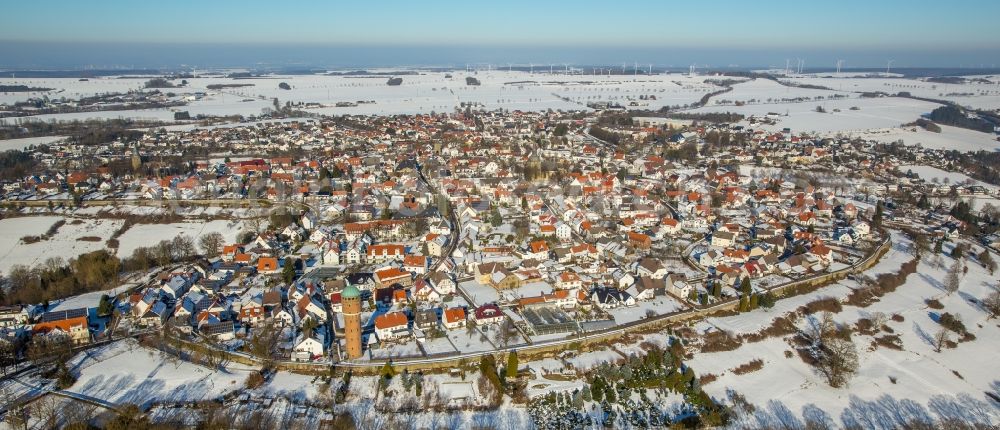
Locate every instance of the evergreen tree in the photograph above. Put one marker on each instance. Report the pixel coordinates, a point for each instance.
(512, 364)
(387, 371)
(610, 395)
(597, 390)
(767, 300)
(288, 272)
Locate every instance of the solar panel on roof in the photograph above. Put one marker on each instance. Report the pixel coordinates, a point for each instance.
(63, 315)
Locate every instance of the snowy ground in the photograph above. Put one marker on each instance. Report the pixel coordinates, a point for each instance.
(8, 144)
(872, 113)
(480, 294)
(87, 300)
(929, 174)
(643, 309)
(870, 118)
(949, 138)
(124, 372)
(421, 93)
(65, 243)
(950, 384)
(291, 385)
(975, 95)
(766, 91)
(149, 234)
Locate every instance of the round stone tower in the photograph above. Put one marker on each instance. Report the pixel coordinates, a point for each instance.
(351, 301)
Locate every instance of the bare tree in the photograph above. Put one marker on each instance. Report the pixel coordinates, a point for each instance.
(835, 354)
(505, 332)
(819, 330)
(992, 304)
(838, 361)
(940, 339)
(18, 413)
(470, 327)
(47, 409)
(183, 247)
(8, 356)
(255, 222)
(954, 277)
(211, 243)
(878, 319)
(264, 340)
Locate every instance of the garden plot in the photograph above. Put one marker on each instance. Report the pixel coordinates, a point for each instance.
(645, 309)
(406, 349)
(440, 345)
(470, 342)
(69, 241)
(124, 372)
(479, 293)
(141, 235)
(87, 300)
(292, 386)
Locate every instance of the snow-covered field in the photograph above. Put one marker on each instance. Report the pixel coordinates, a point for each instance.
(891, 385)
(930, 174)
(420, 93)
(979, 95)
(65, 243)
(949, 138)
(872, 113)
(766, 91)
(141, 235)
(8, 144)
(124, 372)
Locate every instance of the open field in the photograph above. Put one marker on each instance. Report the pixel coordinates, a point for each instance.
(891, 384)
(70, 240)
(124, 372)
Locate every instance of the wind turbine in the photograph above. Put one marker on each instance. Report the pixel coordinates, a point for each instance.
(888, 66)
(788, 63)
(839, 64)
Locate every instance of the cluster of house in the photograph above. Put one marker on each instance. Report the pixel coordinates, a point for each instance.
(549, 222)
(19, 322)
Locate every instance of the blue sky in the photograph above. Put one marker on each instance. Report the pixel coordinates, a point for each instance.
(963, 31)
